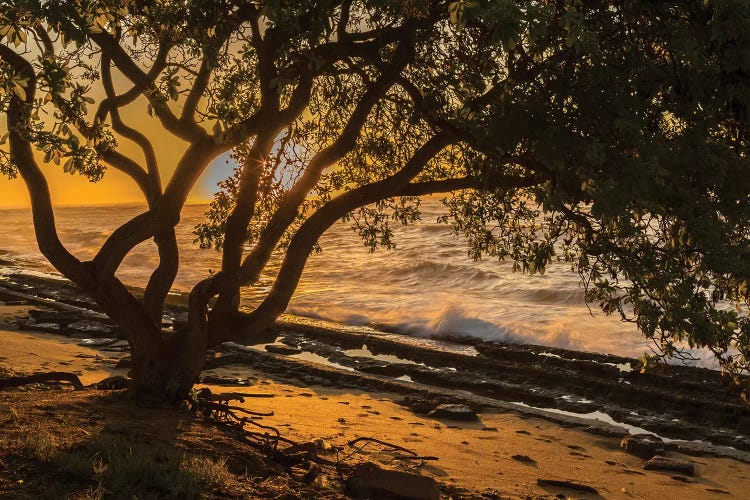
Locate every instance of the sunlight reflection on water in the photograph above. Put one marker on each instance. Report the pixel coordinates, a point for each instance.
(427, 286)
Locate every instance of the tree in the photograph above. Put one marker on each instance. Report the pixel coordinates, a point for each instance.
(609, 134)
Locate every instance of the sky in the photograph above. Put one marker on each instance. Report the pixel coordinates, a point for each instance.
(115, 187)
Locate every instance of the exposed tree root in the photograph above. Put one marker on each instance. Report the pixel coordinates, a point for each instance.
(217, 409)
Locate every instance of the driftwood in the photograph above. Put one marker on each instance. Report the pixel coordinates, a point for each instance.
(236, 396)
(41, 378)
(392, 447)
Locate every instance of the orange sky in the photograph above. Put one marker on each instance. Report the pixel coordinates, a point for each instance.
(115, 187)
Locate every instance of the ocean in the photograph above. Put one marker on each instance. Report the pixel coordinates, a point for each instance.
(427, 286)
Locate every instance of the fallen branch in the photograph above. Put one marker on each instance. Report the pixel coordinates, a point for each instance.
(392, 446)
(42, 378)
(235, 396)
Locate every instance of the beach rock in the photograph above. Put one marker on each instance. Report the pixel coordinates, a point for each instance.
(606, 430)
(524, 459)
(124, 363)
(454, 412)
(180, 321)
(282, 349)
(115, 383)
(418, 405)
(642, 446)
(664, 464)
(88, 328)
(64, 317)
(567, 485)
(371, 481)
(42, 327)
(219, 380)
(167, 322)
(98, 342)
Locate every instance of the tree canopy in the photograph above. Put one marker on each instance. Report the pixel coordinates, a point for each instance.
(608, 134)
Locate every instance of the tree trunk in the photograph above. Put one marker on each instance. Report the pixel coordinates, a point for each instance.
(165, 366)
(166, 375)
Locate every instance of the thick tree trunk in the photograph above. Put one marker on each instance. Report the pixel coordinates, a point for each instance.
(165, 365)
(166, 375)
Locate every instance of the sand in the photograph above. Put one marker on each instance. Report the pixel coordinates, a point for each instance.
(478, 456)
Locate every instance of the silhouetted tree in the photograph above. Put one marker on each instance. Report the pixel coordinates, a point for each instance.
(608, 134)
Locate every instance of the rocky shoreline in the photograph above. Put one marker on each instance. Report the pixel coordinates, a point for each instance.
(690, 409)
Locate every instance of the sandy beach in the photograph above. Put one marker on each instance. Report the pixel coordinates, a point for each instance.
(502, 454)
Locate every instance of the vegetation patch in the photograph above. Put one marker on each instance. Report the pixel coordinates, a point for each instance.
(55, 445)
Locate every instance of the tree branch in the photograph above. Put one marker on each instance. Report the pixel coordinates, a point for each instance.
(347, 139)
(132, 169)
(22, 155)
(165, 212)
(141, 80)
(153, 176)
(196, 92)
(303, 241)
(114, 101)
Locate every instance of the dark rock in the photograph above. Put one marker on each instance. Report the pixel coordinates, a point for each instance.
(219, 380)
(88, 328)
(115, 383)
(371, 481)
(282, 349)
(102, 342)
(419, 405)
(63, 317)
(124, 363)
(454, 412)
(116, 348)
(42, 327)
(523, 458)
(642, 446)
(569, 485)
(664, 464)
(606, 431)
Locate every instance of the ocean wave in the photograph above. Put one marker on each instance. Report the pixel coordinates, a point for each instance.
(426, 287)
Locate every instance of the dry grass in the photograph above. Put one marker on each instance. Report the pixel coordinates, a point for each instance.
(89, 445)
(37, 443)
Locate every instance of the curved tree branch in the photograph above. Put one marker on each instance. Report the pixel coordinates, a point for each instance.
(21, 154)
(142, 81)
(305, 238)
(114, 101)
(347, 139)
(196, 92)
(152, 167)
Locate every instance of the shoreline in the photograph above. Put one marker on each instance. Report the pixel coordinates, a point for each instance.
(503, 453)
(588, 389)
(371, 385)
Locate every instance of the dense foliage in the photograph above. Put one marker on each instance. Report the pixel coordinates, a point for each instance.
(608, 134)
